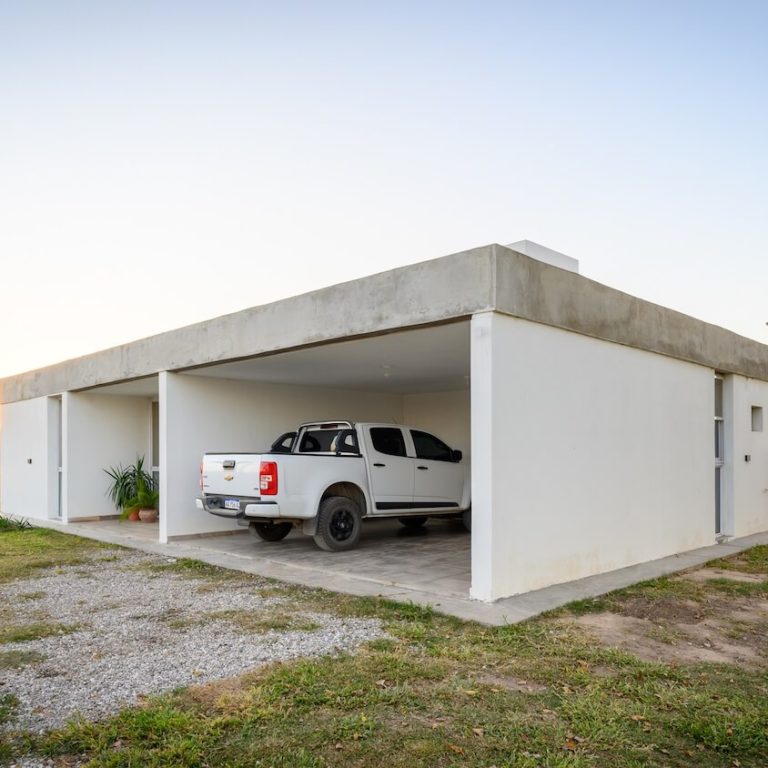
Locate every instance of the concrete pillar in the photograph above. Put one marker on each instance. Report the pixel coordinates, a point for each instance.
(728, 472)
(65, 463)
(162, 460)
(194, 418)
(482, 425)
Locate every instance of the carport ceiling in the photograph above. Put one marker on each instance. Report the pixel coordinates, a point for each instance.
(431, 359)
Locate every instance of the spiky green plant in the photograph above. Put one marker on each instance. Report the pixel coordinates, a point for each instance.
(8, 523)
(128, 483)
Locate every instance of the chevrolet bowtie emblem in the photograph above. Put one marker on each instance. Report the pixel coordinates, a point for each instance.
(229, 477)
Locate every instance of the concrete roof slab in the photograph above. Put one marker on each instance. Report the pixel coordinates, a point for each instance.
(545, 294)
(492, 277)
(434, 291)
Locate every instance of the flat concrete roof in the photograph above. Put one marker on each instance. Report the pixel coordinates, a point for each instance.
(490, 278)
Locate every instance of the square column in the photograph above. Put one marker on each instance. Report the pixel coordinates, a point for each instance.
(482, 426)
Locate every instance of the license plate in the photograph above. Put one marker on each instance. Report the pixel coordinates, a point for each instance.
(232, 504)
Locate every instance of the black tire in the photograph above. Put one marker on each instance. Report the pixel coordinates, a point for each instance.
(412, 522)
(270, 531)
(338, 524)
(466, 519)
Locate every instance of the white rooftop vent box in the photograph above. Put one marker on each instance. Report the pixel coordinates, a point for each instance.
(547, 255)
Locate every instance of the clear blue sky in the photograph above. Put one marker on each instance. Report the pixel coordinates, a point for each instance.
(161, 163)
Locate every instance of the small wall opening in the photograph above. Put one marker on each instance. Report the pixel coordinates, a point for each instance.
(757, 418)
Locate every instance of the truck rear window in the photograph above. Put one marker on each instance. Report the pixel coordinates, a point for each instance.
(329, 441)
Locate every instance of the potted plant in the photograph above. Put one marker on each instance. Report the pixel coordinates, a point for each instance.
(146, 499)
(132, 488)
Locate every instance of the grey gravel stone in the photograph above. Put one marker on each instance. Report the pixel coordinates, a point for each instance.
(141, 633)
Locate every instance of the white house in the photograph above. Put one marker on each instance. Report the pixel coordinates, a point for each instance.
(603, 430)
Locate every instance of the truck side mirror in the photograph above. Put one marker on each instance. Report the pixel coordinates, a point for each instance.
(456, 456)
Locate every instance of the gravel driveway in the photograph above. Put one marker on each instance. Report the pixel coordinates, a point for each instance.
(128, 630)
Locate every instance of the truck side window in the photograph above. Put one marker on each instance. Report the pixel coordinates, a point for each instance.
(430, 447)
(388, 440)
(345, 442)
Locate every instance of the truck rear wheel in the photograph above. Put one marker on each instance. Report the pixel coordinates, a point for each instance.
(338, 524)
(270, 531)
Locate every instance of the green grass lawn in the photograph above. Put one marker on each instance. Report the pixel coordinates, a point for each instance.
(24, 552)
(439, 692)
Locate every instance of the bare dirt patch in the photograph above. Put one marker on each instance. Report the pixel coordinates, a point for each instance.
(219, 695)
(663, 609)
(511, 684)
(708, 574)
(709, 626)
(679, 643)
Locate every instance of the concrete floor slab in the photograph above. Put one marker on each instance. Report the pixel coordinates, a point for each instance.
(431, 568)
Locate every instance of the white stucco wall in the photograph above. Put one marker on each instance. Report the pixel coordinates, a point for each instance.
(748, 504)
(587, 456)
(445, 414)
(100, 431)
(24, 437)
(199, 414)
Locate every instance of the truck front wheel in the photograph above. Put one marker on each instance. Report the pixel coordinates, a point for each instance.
(338, 524)
(270, 531)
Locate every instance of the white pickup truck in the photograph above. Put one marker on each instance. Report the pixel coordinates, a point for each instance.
(328, 476)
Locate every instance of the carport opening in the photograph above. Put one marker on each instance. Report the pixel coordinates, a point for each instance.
(419, 378)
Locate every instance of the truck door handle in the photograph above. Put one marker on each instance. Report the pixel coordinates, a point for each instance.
(379, 465)
(422, 467)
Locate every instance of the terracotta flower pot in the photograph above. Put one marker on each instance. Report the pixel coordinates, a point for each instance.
(148, 515)
(133, 515)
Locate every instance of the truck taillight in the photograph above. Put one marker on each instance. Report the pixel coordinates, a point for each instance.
(268, 478)
(201, 476)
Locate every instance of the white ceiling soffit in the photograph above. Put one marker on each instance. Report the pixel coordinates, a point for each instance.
(433, 359)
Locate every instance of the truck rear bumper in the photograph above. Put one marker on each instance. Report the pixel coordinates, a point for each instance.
(262, 509)
(249, 508)
(234, 514)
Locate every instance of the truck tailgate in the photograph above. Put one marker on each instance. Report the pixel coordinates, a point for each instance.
(231, 474)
